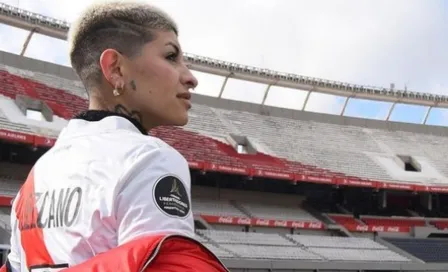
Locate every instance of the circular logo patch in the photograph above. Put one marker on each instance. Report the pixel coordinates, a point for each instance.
(171, 197)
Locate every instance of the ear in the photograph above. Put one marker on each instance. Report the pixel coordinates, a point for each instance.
(110, 62)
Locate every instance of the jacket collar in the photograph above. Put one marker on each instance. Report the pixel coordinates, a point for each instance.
(98, 115)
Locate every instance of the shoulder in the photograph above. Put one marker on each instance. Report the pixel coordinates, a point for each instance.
(155, 160)
(107, 161)
(150, 151)
(158, 172)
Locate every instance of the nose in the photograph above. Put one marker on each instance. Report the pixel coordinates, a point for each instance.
(188, 79)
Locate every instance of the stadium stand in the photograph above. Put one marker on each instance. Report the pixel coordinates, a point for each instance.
(273, 189)
(258, 245)
(440, 223)
(279, 212)
(300, 247)
(238, 225)
(359, 152)
(358, 197)
(429, 250)
(216, 207)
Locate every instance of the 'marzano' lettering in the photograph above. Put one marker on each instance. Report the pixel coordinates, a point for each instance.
(59, 208)
(55, 209)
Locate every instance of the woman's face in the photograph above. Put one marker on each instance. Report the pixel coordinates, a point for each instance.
(158, 82)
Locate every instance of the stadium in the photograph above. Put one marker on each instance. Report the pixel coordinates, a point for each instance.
(274, 189)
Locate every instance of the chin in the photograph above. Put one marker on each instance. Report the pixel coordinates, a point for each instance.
(180, 122)
(183, 122)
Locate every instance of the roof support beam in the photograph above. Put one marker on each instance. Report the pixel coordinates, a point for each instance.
(306, 99)
(266, 92)
(27, 41)
(428, 112)
(345, 105)
(390, 111)
(223, 86)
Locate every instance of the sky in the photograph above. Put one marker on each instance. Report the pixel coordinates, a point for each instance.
(369, 42)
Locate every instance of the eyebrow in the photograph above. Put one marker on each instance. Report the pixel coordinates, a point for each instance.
(176, 47)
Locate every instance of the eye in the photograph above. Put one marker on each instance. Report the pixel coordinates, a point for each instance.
(172, 57)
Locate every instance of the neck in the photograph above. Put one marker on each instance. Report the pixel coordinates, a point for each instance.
(98, 103)
(97, 115)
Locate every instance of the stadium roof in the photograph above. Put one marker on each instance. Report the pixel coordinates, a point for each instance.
(36, 23)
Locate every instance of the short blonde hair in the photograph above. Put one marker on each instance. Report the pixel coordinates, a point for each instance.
(123, 26)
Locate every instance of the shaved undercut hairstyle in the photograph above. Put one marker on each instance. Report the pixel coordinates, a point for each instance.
(125, 26)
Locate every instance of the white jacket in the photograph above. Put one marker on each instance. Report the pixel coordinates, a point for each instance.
(103, 184)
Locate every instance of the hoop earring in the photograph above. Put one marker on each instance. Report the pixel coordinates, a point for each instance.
(116, 92)
(118, 89)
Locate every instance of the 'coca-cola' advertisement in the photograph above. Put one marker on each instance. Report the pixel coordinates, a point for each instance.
(375, 228)
(262, 222)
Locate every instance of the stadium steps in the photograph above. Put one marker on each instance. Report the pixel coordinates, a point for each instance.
(337, 227)
(211, 241)
(342, 210)
(5, 236)
(241, 208)
(415, 214)
(302, 246)
(381, 145)
(327, 221)
(397, 249)
(5, 226)
(202, 222)
(234, 255)
(5, 222)
(318, 215)
(226, 122)
(340, 230)
(293, 241)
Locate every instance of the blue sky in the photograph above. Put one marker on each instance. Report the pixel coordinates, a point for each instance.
(369, 42)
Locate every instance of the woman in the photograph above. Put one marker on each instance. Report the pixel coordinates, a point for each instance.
(106, 186)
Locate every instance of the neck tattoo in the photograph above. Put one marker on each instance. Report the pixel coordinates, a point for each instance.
(131, 113)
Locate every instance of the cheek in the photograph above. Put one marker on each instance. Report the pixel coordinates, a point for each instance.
(167, 87)
(160, 81)
(164, 72)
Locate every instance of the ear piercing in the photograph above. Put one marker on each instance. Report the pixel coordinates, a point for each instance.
(116, 91)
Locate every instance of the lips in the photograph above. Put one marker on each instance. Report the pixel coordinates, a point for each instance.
(184, 96)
